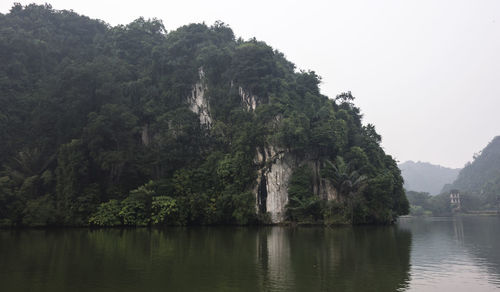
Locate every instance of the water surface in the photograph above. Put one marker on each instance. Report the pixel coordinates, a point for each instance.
(454, 254)
(451, 254)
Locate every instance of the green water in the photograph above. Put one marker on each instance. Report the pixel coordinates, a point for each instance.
(414, 255)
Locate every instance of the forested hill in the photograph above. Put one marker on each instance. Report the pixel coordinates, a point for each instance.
(482, 175)
(426, 177)
(133, 125)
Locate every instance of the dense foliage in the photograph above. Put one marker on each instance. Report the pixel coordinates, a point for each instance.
(478, 184)
(481, 177)
(423, 204)
(95, 127)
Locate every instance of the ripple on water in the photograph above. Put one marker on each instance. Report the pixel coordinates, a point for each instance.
(452, 254)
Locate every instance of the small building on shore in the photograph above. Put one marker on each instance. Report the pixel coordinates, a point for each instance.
(455, 200)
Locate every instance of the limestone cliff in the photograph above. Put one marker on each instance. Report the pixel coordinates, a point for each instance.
(276, 165)
(271, 192)
(196, 116)
(198, 102)
(248, 100)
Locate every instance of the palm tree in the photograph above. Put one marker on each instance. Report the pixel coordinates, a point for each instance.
(27, 163)
(299, 207)
(346, 181)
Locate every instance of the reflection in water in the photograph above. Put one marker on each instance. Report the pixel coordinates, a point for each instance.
(459, 230)
(447, 254)
(274, 258)
(454, 254)
(351, 259)
(482, 240)
(206, 259)
(341, 259)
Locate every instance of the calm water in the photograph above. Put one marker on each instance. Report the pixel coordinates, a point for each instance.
(452, 254)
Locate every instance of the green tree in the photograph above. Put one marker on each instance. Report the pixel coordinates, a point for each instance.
(107, 214)
(347, 182)
(303, 204)
(90, 113)
(163, 210)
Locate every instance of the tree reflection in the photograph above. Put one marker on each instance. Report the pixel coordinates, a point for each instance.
(205, 259)
(339, 259)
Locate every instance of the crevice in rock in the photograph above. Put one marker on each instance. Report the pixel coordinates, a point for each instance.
(262, 194)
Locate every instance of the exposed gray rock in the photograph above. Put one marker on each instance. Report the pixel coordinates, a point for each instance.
(248, 100)
(322, 187)
(277, 178)
(276, 165)
(198, 102)
(145, 137)
(271, 192)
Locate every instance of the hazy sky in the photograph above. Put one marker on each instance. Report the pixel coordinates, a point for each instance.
(426, 73)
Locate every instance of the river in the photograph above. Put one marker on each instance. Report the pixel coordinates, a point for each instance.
(416, 254)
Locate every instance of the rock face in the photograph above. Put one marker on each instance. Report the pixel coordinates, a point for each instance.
(248, 100)
(145, 137)
(273, 252)
(322, 187)
(271, 192)
(272, 188)
(198, 102)
(276, 165)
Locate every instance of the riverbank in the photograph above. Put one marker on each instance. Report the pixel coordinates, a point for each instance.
(456, 214)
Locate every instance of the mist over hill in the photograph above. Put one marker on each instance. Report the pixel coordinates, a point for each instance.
(478, 184)
(482, 175)
(426, 177)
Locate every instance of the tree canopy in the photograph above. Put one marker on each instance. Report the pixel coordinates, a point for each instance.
(96, 127)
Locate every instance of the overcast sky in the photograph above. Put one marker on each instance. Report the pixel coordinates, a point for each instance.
(425, 72)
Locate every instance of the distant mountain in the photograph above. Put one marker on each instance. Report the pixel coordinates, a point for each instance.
(426, 177)
(482, 175)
